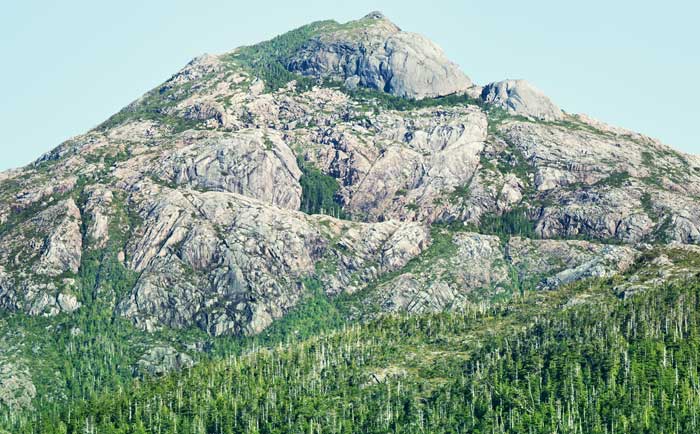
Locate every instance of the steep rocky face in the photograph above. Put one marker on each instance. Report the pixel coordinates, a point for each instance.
(39, 255)
(397, 167)
(191, 195)
(473, 265)
(373, 52)
(520, 98)
(230, 264)
(253, 163)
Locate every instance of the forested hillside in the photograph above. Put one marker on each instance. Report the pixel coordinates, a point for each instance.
(337, 231)
(579, 360)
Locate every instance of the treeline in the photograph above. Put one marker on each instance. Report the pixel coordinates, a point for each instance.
(596, 367)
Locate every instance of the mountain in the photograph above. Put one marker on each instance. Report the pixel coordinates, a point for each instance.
(333, 176)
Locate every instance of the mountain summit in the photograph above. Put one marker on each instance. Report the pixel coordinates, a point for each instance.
(373, 52)
(341, 160)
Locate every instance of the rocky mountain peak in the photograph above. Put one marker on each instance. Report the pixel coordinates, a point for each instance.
(205, 193)
(374, 53)
(374, 15)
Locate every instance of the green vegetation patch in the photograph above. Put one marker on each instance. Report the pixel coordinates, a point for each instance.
(569, 361)
(268, 60)
(319, 192)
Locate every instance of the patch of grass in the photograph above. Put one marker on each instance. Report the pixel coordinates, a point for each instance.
(269, 145)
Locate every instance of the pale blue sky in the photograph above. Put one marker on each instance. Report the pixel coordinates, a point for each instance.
(68, 65)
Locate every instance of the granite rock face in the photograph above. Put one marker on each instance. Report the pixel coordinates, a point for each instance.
(192, 193)
(478, 266)
(254, 163)
(521, 98)
(159, 361)
(231, 264)
(373, 52)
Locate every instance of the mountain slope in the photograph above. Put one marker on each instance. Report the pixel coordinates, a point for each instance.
(346, 161)
(575, 360)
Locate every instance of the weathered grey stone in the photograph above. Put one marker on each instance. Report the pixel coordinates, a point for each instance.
(375, 53)
(159, 361)
(231, 264)
(16, 388)
(479, 268)
(62, 248)
(198, 184)
(68, 302)
(521, 98)
(253, 163)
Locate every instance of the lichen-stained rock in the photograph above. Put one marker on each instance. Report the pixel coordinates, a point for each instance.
(62, 248)
(660, 265)
(197, 69)
(37, 258)
(192, 192)
(68, 302)
(606, 182)
(97, 210)
(566, 260)
(476, 263)
(677, 214)
(402, 166)
(611, 214)
(209, 111)
(159, 361)
(611, 260)
(511, 192)
(521, 98)
(231, 265)
(254, 163)
(479, 267)
(361, 253)
(373, 52)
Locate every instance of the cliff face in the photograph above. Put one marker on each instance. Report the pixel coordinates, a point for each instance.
(373, 52)
(428, 191)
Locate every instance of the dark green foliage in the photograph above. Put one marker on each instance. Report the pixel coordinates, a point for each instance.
(382, 100)
(319, 191)
(497, 115)
(663, 222)
(153, 106)
(515, 162)
(316, 314)
(615, 180)
(648, 206)
(460, 192)
(601, 367)
(515, 222)
(268, 60)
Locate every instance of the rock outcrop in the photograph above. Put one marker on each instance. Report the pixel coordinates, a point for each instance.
(373, 52)
(521, 98)
(473, 267)
(191, 195)
(159, 361)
